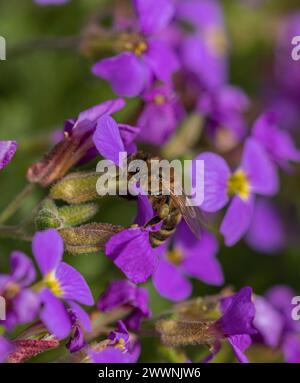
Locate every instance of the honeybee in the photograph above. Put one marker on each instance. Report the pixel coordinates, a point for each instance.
(169, 207)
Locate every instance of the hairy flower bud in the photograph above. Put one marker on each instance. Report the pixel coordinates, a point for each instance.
(76, 188)
(26, 349)
(51, 216)
(88, 238)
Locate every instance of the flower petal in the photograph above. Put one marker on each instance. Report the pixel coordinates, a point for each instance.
(170, 282)
(54, 315)
(237, 220)
(216, 174)
(73, 285)
(7, 151)
(109, 355)
(105, 108)
(162, 60)
(145, 210)
(107, 139)
(125, 72)
(131, 251)
(6, 347)
(48, 249)
(259, 169)
(22, 268)
(81, 315)
(154, 15)
(239, 344)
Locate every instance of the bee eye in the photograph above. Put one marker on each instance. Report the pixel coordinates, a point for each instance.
(138, 169)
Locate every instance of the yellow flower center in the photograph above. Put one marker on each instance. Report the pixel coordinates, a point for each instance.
(238, 184)
(175, 256)
(159, 99)
(121, 345)
(52, 283)
(140, 48)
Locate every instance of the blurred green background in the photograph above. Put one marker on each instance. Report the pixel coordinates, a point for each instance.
(40, 89)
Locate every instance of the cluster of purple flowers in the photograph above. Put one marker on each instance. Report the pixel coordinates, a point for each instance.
(174, 58)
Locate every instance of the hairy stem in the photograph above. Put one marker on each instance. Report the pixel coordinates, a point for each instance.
(14, 232)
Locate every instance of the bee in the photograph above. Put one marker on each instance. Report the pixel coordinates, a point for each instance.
(169, 206)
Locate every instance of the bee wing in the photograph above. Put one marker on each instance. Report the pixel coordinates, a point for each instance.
(192, 215)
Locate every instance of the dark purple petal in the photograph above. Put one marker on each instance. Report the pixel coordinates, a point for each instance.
(120, 333)
(107, 139)
(238, 314)
(105, 108)
(161, 59)
(170, 282)
(266, 233)
(267, 321)
(77, 341)
(131, 251)
(260, 170)
(125, 72)
(216, 174)
(239, 344)
(54, 315)
(48, 249)
(145, 210)
(109, 355)
(154, 15)
(7, 151)
(129, 134)
(81, 315)
(73, 285)
(22, 268)
(237, 220)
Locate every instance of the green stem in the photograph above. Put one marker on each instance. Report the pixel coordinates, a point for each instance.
(14, 205)
(14, 232)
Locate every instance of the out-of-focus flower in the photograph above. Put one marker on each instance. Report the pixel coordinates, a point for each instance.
(223, 108)
(131, 251)
(6, 347)
(145, 56)
(161, 114)
(76, 146)
(60, 283)
(274, 322)
(188, 257)
(21, 302)
(111, 138)
(119, 348)
(123, 293)
(7, 151)
(287, 70)
(203, 50)
(256, 175)
(276, 141)
(266, 232)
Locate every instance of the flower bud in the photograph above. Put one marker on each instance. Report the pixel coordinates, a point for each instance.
(66, 216)
(89, 238)
(76, 188)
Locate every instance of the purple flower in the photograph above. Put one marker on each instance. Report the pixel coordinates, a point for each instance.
(7, 151)
(146, 56)
(276, 141)
(204, 51)
(236, 323)
(6, 347)
(77, 145)
(266, 232)
(80, 322)
(160, 116)
(60, 282)
(256, 175)
(21, 302)
(223, 108)
(111, 138)
(291, 348)
(188, 257)
(131, 251)
(120, 348)
(123, 293)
